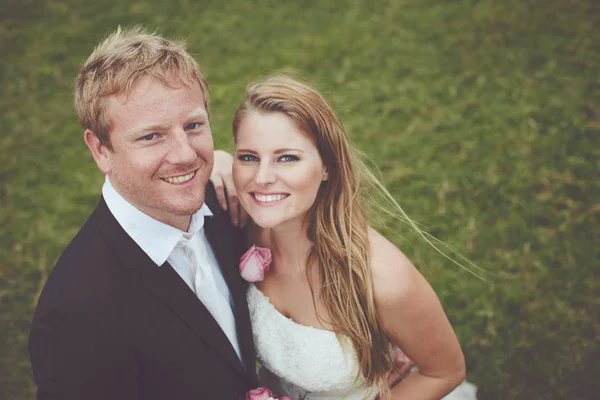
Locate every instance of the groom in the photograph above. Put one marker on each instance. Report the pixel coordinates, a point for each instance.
(146, 302)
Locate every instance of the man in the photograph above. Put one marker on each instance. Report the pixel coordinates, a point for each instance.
(146, 302)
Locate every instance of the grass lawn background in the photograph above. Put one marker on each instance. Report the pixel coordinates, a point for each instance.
(483, 117)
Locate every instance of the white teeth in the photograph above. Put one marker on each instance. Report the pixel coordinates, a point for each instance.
(269, 198)
(180, 179)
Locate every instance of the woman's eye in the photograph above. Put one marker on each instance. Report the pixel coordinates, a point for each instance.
(288, 158)
(149, 137)
(247, 157)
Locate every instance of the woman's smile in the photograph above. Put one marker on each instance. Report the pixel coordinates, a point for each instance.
(277, 167)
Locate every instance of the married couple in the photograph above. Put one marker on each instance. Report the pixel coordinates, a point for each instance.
(147, 301)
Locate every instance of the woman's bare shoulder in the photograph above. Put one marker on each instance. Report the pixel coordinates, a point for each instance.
(394, 275)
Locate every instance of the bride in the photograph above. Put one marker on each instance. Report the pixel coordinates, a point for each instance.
(339, 296)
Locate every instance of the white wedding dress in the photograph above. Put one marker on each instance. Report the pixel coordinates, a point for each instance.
(308, 363)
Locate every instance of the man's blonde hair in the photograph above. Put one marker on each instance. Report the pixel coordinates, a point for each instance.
(119, 62)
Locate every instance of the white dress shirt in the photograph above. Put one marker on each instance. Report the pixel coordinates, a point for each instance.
(189, 253)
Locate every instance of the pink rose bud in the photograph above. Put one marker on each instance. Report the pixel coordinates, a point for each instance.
(255, 263)
(404, 366)
(259, 394)
(403, 363)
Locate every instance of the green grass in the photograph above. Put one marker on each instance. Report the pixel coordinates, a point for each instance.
(483, 117)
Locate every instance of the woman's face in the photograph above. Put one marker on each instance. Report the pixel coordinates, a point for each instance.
(277, 169)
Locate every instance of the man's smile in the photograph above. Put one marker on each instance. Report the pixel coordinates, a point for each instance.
(180, 179)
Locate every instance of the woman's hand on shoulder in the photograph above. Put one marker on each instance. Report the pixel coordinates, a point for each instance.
(222, 179)
(412, 314)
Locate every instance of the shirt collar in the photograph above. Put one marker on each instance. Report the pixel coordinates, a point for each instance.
(155, 238)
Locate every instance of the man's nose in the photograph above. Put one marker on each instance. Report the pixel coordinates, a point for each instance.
(181, 151)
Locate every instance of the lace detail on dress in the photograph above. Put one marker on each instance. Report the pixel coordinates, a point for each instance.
(308, 362)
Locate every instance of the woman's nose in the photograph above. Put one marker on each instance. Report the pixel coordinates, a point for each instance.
(265, 175)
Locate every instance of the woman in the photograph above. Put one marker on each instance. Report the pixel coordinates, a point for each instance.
(338, 296)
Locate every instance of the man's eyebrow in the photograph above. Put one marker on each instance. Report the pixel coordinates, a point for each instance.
(145, 128)
(197, 113)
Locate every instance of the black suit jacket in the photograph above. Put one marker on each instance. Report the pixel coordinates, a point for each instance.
(112, 325)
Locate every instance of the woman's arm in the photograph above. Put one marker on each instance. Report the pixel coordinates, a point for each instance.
(222, 180)
(414, 318)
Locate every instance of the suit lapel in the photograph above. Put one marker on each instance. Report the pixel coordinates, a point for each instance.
(228, 258)
(225, 257)
(166, 285)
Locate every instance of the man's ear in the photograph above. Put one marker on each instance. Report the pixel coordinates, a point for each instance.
(100, 152)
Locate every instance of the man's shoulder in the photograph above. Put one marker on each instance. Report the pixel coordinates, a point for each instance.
(88, 246)
(87, 269)
(210, 199)
(221, 217)
(221, 232)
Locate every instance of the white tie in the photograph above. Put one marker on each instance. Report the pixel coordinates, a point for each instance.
(205, 287)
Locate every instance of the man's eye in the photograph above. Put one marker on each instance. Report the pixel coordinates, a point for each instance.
(149, 137)
(247, 157)
(288, 158)
(193, 125)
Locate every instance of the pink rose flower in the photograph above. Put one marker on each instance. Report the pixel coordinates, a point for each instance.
(255, 263)
(404, 366)
(259, 393)
(403, 363)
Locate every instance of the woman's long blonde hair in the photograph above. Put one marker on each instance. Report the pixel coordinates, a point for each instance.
(337, 224)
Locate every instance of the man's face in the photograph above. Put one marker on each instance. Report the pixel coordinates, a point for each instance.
(162, 153)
